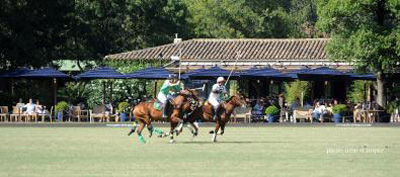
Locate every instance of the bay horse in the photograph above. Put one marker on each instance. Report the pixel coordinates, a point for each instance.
(145, 113)
(204, 114)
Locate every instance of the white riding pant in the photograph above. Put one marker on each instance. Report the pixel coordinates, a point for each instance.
(215, 102)
(163, 98)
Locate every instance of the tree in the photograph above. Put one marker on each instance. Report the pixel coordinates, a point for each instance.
(297, 89)
(105, 27)
(238, 19)
(32, 33)
(363, 32)
(303, 15)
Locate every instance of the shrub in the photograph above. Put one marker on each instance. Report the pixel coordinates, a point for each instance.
(123, 107)
(297, 89)
(61, 106)
(392, 106)
(272, 110)
(357, 91)
(340, 108)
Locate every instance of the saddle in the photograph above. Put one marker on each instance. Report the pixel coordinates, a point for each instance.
(158, 105)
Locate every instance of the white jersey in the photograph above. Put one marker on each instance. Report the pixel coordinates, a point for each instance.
(217, 91)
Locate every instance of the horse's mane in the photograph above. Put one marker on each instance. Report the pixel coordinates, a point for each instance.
(192, 93)
(230, 98)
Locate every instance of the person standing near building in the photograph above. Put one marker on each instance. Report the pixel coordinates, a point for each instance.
(217, 94)
(282, 106)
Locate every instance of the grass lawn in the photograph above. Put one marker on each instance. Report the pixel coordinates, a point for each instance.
(242, 151)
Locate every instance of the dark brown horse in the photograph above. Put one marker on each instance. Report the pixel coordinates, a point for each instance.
(204, 114)
(145, 113)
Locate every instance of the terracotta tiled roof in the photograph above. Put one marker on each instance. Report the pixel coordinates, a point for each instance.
(227, 49)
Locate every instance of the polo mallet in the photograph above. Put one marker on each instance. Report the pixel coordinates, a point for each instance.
(238, 55)
(201, 88)
(179, 70)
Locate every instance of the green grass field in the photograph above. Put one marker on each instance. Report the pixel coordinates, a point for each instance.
(242, 151)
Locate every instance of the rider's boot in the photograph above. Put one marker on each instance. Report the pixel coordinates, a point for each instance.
(164, 112)
(215, 113)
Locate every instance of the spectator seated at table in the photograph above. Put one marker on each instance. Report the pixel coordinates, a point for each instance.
(258, 110)
(318, 111)
(108, 108)
(295, 104)
(109, 111)
(20, 104)
(30, 107)
(40, 109)
(82, 105)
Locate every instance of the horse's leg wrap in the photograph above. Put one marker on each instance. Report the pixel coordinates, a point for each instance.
(179, 128)
(171, 137)
(141, 139)
(192, 130)
(156, 130)
(214, 137)
(133, 129)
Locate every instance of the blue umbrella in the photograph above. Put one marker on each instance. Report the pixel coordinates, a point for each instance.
(44, 73)
(293, 74)
(367, 76)
(263, 73)
(213, 72)
(101, 73)
(140, 72)
(256, 70)
(15, 74)
(188, 74)
(323, 73)
(150, 73)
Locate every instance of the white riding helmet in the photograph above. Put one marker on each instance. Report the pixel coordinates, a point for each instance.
(220, 79)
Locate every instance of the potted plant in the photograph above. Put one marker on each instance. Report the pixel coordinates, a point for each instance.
(392, 109)
(60, 108)
(123, 109)
(271, 111)
(338, 110)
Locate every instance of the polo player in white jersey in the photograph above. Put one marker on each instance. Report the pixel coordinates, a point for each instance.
(218, 92)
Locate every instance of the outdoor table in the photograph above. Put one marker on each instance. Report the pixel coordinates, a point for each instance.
(302, 114)
(370, 115)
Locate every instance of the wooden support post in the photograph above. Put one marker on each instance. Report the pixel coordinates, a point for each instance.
(155, 89)
(104, 92)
